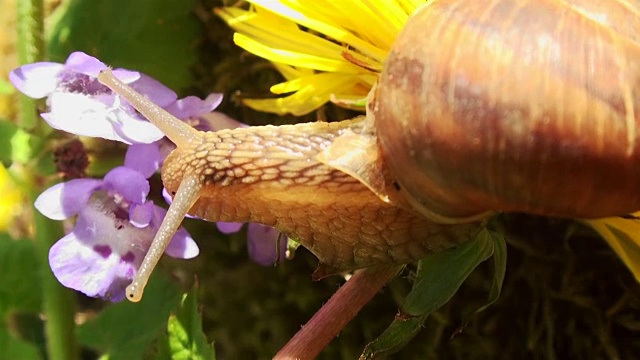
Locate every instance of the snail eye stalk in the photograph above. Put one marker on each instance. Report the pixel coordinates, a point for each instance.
(181, 134)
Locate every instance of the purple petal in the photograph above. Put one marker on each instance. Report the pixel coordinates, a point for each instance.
(193, 106)
(98, 225)
(229, 227)
(36, 80)
(140, 215)
(169, 199)
(84, 64)
(213, 100)
(263, 246)
(154, 90)
(98, 116)
(144, 158)
(64, 200)
(81, 268)
(215, 121)
(129, 183)
(182, 245)
(132, 129)
(127, 76)
(101, 255)
(89, 65)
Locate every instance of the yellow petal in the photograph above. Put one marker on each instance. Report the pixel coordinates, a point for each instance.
(623, 235)
(10, 200)
(290, 72)
(311, 94)
(349, 39)
(294, 58)
(334, 32)
(268, 29)
(411, 5)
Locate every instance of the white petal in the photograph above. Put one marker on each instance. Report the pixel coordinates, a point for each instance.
(64, 200)
(96, 117)
(36, 80)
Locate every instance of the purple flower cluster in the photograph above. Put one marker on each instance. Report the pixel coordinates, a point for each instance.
(114, 228)
(79, 104)
(115, 222)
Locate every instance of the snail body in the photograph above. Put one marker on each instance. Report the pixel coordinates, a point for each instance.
(271, 175)
(346, 211)
(480, 107)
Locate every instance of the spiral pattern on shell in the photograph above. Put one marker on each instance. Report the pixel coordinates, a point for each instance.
(515, 105)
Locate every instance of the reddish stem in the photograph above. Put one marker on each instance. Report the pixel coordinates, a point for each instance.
(343, 306)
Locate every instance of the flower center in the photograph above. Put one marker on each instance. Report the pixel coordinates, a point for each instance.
(74, 82)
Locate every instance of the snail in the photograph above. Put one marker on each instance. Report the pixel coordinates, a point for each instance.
(482, 106)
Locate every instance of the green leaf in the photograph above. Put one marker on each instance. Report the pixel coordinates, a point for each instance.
(16, 349)
(156, 37)
(126, 330)
(14, 143)
(439, 278)
(396, 336)
(499, 261)
(626, 242)
(440, 275)
(19, 276)
(186, 339)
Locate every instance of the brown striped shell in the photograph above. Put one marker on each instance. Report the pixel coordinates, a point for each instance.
(515, 105)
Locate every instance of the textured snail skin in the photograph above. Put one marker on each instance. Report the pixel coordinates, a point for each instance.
(271, 175)
(515, 105)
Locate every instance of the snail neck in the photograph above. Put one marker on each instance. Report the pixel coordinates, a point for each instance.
(274, 157)
(272, 175)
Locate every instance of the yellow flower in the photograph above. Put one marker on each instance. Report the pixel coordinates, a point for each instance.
(11, 198)
(623, 235)
(327, 50)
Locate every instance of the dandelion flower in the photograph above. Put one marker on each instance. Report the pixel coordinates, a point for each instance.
(324, 51)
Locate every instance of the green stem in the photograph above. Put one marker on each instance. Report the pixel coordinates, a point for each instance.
(59, 302)
(30, 49)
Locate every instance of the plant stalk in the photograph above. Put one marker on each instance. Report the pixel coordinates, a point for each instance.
(343, 306)
(58, 302)
(30, 50)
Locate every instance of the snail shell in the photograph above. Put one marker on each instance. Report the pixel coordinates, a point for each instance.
(515, 105)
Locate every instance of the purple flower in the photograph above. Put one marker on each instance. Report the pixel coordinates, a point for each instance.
(148, 158)
(79, 104)
(193, 107)
(114, 229)
(266, 245)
